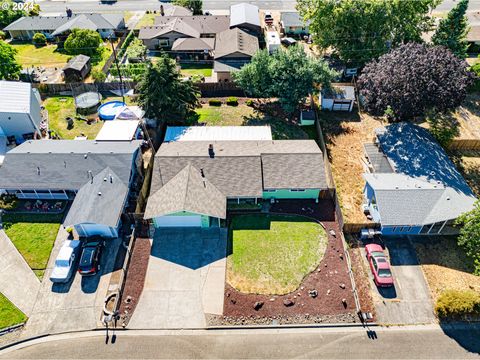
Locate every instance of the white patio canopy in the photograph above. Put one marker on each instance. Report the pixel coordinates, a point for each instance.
(118, 130)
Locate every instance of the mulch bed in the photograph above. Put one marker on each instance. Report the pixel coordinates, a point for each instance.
(135, 279)
(361, 281)
(330, 279)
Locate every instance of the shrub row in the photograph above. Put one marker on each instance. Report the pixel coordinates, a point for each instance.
(457, 304)
(231, 101)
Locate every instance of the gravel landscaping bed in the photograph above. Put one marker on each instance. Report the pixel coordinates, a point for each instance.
(325, 295)
(135, 279)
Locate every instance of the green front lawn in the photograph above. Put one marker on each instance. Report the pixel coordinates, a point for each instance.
(272, 254)
(9, 314)
(33, 235)
(245, 115)
(196, 70)
(47, 56)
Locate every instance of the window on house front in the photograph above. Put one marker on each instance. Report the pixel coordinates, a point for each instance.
(163, 42)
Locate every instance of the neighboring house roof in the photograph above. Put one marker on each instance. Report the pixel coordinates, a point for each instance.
(235, 41)
(175, 10)
(225, 65)
(50, 23)
(292, 18)
(77, 63)
(77, 22)
(426, 187)
(244, 13)
(120, 130)
(187, 191)
(100, 200)
(192, 26)
(339, 92)
(65, 164)
(193, 44)
(474, 33)
(217, 133)
(235, 167)
(15, 97)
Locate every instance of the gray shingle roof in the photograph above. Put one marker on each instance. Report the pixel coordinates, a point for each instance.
(77, 63)
(39, 23)
(236, 168)
(187, 191)
(377, 159)
(228, 65)
(426, 187)
(193, 44)
(99, 201)
(64, 164)
(292, 18)
(233, 41)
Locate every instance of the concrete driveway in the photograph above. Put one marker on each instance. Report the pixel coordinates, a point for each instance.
(408, 302)
(76, 305)
(185, 279)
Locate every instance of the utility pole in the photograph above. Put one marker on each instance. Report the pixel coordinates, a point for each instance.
(118, 69)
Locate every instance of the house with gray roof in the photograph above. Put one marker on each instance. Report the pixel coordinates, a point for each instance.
(292, 23)
(194, 181)
(97, 176)
(412, 187)
(60, 26)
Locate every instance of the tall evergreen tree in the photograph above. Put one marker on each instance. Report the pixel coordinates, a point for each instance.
(163, 94)
(453, 30)
(9, 67)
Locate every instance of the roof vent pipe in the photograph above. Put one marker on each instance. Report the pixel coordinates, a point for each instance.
(211, 152)
(111, 178)
(38, 170)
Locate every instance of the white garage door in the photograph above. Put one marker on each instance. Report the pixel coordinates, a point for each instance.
(179, 221)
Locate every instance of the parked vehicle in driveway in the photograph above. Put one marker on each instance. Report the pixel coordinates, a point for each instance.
(379, 265)
(90, 258)
(65, 262)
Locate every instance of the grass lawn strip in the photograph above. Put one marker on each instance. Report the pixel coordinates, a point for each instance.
(272, 254)
(47, 56)
(243, 115)
(196, 69)
(146, 20)
(33, 235)
(9, 314)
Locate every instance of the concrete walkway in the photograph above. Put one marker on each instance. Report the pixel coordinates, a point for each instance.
(185, 279)
(17, 281)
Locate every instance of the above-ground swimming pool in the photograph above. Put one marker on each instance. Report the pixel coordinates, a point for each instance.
(109, 110)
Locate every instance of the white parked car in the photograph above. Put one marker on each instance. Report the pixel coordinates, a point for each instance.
(65, 261)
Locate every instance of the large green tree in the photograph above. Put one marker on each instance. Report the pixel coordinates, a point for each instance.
(469, 237)
(83, 41)
(290, 75)
(9, 68)
(195, 6)
(163, 94)
(453, 30)
(361, 30)
(7, 14)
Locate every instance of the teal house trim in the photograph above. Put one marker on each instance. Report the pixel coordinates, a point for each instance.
(291, 194)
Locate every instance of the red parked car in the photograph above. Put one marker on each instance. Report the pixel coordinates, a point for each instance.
(379, 265)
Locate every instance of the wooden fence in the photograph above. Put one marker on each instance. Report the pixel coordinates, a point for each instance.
(464, 144)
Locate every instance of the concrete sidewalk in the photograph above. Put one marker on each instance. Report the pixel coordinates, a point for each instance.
(17, 281)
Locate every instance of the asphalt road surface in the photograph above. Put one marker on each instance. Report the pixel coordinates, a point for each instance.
(429, 342)
(58, 6)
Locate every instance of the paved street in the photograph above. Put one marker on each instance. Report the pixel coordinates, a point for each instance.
(383, 343)
(408, 302)
(185, 279)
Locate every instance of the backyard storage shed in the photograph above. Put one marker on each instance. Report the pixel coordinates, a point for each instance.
(77, 68)
(245, 16)
(338, 98)
(119, 130)
(20, 109)
(292, 23)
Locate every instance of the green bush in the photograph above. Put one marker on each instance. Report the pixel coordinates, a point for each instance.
(98, 76)
(136, 50)
(39, 39)
(133, 71)
(457, 304)
(3, 36)
(232, 101)
(214, 102)
(249, 102)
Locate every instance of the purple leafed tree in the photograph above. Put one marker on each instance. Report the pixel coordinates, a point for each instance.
(412, 79)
